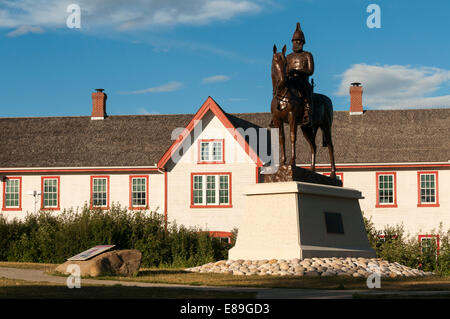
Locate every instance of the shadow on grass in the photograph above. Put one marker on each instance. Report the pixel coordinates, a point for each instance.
(156, 272)
(114, 292)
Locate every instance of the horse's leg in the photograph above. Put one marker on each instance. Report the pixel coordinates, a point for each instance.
(293, 131)
(326, 131)
(279, 124)
(310, 134)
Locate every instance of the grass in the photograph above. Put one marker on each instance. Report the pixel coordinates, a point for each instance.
(178, 276)
(17, 289)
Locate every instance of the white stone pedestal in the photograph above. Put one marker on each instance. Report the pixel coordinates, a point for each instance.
(288, 220)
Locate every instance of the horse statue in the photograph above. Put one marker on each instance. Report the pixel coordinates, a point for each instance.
(286, 107)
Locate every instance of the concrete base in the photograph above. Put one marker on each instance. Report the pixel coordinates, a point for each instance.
(301, 220)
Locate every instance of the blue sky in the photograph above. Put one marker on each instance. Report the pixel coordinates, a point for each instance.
(168, 56)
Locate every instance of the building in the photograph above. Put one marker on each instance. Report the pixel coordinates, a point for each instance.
(193, 168)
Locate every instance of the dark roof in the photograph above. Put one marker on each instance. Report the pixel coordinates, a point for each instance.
(378, 136)
(138, 140)
(382, 136)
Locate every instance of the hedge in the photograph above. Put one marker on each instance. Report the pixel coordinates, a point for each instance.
(51, 238)
(407, 250)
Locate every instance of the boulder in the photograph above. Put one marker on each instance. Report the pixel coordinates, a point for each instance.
(116, 262)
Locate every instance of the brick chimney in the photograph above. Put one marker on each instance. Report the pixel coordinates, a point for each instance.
(356, 106)
(98, 105)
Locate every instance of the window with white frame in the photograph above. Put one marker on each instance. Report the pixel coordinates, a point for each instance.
(12, 193)
(138, 191)
(99, 192)
(211, 190)
(50, 193)
(428, 188)
(211, 151)
(386, 189)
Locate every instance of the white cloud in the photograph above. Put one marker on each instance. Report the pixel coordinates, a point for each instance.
(216, 78)
(143, 111)
(24, 29)
(397, 86)
(123, 15)
(168, 87)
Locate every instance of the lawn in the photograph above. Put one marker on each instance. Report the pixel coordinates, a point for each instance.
(16, 289)
(178, 276)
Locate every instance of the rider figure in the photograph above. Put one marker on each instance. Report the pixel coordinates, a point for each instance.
(300, 65)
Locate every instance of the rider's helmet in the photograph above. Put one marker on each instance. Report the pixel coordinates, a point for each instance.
(298, 34)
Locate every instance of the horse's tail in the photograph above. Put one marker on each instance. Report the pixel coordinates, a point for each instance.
(327, 122)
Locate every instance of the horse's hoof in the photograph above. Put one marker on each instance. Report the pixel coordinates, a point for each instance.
(333, 175)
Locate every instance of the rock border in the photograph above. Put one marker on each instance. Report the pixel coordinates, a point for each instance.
(314, 267)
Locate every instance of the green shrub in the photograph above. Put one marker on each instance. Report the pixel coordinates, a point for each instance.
(392, 245)
(52, 238)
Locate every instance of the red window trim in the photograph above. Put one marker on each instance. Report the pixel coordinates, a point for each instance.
(419, 203)
(146, 192)
(337, 174)
(229, 205)
(92, 193)
(378, 205)
(20, 194)
(58, 194)
(430, 236)
(220, 234)
(199, 161)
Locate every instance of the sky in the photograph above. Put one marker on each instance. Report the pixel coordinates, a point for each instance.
(168, 56)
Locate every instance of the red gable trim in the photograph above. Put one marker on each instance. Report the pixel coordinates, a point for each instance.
(209, 105)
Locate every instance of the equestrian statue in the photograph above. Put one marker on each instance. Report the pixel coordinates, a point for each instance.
(295, 103)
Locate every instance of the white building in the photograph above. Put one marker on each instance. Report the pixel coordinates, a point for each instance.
(193, 168)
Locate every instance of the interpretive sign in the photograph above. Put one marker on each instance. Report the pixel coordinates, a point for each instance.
(94, 251)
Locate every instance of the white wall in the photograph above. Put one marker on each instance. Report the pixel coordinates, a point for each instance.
(75, 191)
(243, 171)
(415, 219)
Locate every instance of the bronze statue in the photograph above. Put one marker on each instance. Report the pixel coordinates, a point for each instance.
(300, 66)
(293, 100)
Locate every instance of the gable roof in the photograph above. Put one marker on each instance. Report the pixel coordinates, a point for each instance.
(210, 105)
(379, 136)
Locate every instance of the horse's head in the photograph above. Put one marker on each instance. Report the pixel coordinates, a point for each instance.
(279, 63)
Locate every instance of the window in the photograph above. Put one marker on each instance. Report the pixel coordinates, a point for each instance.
(100, 192)
(429, 243)
(138, 192)
(211, 152)
(386, 190)
(12, 193)
(223, 236)
(428, 189)
(211, 190)
(50, 193)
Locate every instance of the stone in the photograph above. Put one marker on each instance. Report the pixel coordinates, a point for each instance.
(117, 262)
(284, 266)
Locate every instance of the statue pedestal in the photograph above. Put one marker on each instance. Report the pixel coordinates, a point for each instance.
(301, 220)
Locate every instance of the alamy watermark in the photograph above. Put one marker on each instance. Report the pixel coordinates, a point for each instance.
(374, 280)
(74, 280)
(374, 19)
(256, 143)
(74, 19)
